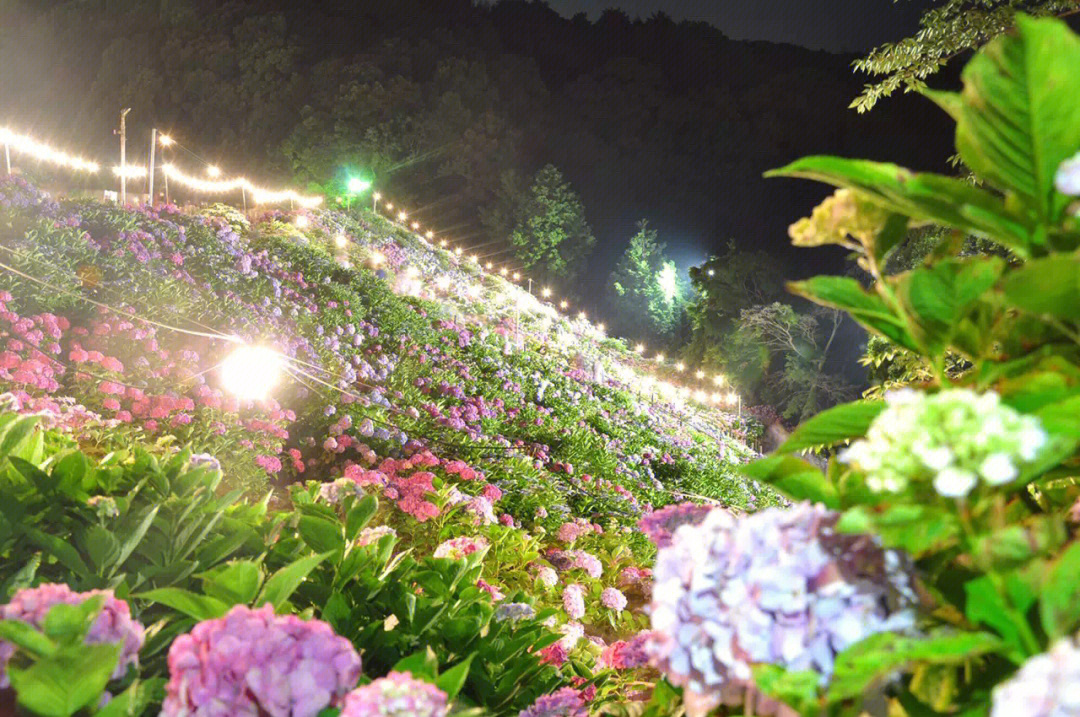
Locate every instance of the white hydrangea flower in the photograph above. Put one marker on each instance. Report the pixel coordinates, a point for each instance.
(951, 440)
(1067, 179)
(1047, 685)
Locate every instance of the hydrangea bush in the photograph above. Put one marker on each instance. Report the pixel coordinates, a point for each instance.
(971, 475)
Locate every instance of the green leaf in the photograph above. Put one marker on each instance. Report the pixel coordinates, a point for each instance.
(62, 685)
(880, 656)
(847, 294)
(1062, 418)
(102, 547)
(235, 583)
(134, 700)
(798, 690)
(917, 529)
(837, 424)
(939, 296)
(320, 534)
(1059, 605)
(280, 586)
(453, 679)
(132, 541)
(423, 664)
(794, 477)
(16, 434)
(200, 607)
(1016, 121)
(359, 515)
(62, 551)
(27, 638)
(1046, 287)
(985, 606)
(68, 624)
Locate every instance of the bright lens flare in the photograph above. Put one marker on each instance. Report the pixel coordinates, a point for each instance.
(546, 292)
(402, 216)
(302, 222)
(251, 372)
(213, 170)
(341, 241)
(166, 140)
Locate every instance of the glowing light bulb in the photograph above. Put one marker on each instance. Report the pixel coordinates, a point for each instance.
(472, 257)
(564, 304)
(660, 358)
(430, 234)
(546, 292)
(488, 266)
(600, 327)
(680, 366)
(731, 397)
(389, 205)
(341, 241)
(415, 226)
(251, 372)
(213, 170)
(356, 185)
(442, 283)
(376, 196)
(700, 375)
(718, 380)
(640, 348)
(502, 271)
(377, 258)
(401, 216)
(443, 243)
(710, 272)
(516, 276)
(302, 222)
(582, 315)
(165, 140)
(715, 398)
(699, 396)
(458, 251)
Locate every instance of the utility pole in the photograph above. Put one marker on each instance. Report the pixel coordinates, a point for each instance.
(7, 158)
(123, 156)
(150, 175)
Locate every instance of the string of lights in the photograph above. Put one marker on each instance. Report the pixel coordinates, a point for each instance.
(259, 195)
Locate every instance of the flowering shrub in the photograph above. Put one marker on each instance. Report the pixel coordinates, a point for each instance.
(396, 695)
(971, 473)
(252, 661)
(112, 625)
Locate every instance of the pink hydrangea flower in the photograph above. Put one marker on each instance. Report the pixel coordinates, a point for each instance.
(458, 548)
(573, 599)
(613, 599)
(398, 694)
(374, 534)
(113, 624)
(253, 662)
(626, 655)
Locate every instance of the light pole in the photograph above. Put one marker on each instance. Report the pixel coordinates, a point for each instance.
(166, 142)
(150, 173)
(123, 156)
(375, 197)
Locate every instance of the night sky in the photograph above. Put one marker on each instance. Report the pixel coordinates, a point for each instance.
(836, 25)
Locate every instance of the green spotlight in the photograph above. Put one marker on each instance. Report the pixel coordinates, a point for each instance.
(357, 185)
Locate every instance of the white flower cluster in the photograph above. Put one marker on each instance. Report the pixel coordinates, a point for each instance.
(1067, 179)
(775, 587)
(1047, 685)
(953, 440)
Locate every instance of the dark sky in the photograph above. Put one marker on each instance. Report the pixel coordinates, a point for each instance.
(837, 25)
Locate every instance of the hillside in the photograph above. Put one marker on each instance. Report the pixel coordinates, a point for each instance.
(466, 407)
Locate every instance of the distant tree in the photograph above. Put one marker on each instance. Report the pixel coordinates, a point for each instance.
(724, 286)
(551, 236)
(645, 293)
(951, 28)
(800, 345)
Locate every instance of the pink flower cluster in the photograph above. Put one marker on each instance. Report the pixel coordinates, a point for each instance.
(458, 548)
(254, 663)
(398, 694)
(113, 624)
(613, 599)
(626, 655)
(573, 599)
(660, 525)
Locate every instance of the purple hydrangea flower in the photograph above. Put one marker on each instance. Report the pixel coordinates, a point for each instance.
(660, 525)
(613, 599)
(113, 624)
(566, 702)
(573, 600)
(776, 587)
(514, 611)
(398, 694)
(253, 662)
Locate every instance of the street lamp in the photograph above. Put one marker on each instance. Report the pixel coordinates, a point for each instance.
(354, 186)
(213, 170)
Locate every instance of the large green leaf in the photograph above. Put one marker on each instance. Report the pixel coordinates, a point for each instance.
(924, 197)
(938, 297)
(1059, 604)
(280, 586)
(200, 607)
(839, 423)
(1048, 286)
(881, 655)
(1017, 120)
(66, 683)
(869, 309)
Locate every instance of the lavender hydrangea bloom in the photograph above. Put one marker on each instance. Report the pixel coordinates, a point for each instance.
(659, 525)
(566, 702)
(514, 611)
(253, 662)
(1045, 686)
(113, 624)
(573, 599)
(396, 695)
(776, 587)
(613, 599)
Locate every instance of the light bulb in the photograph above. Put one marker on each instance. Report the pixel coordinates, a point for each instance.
(341, 241)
